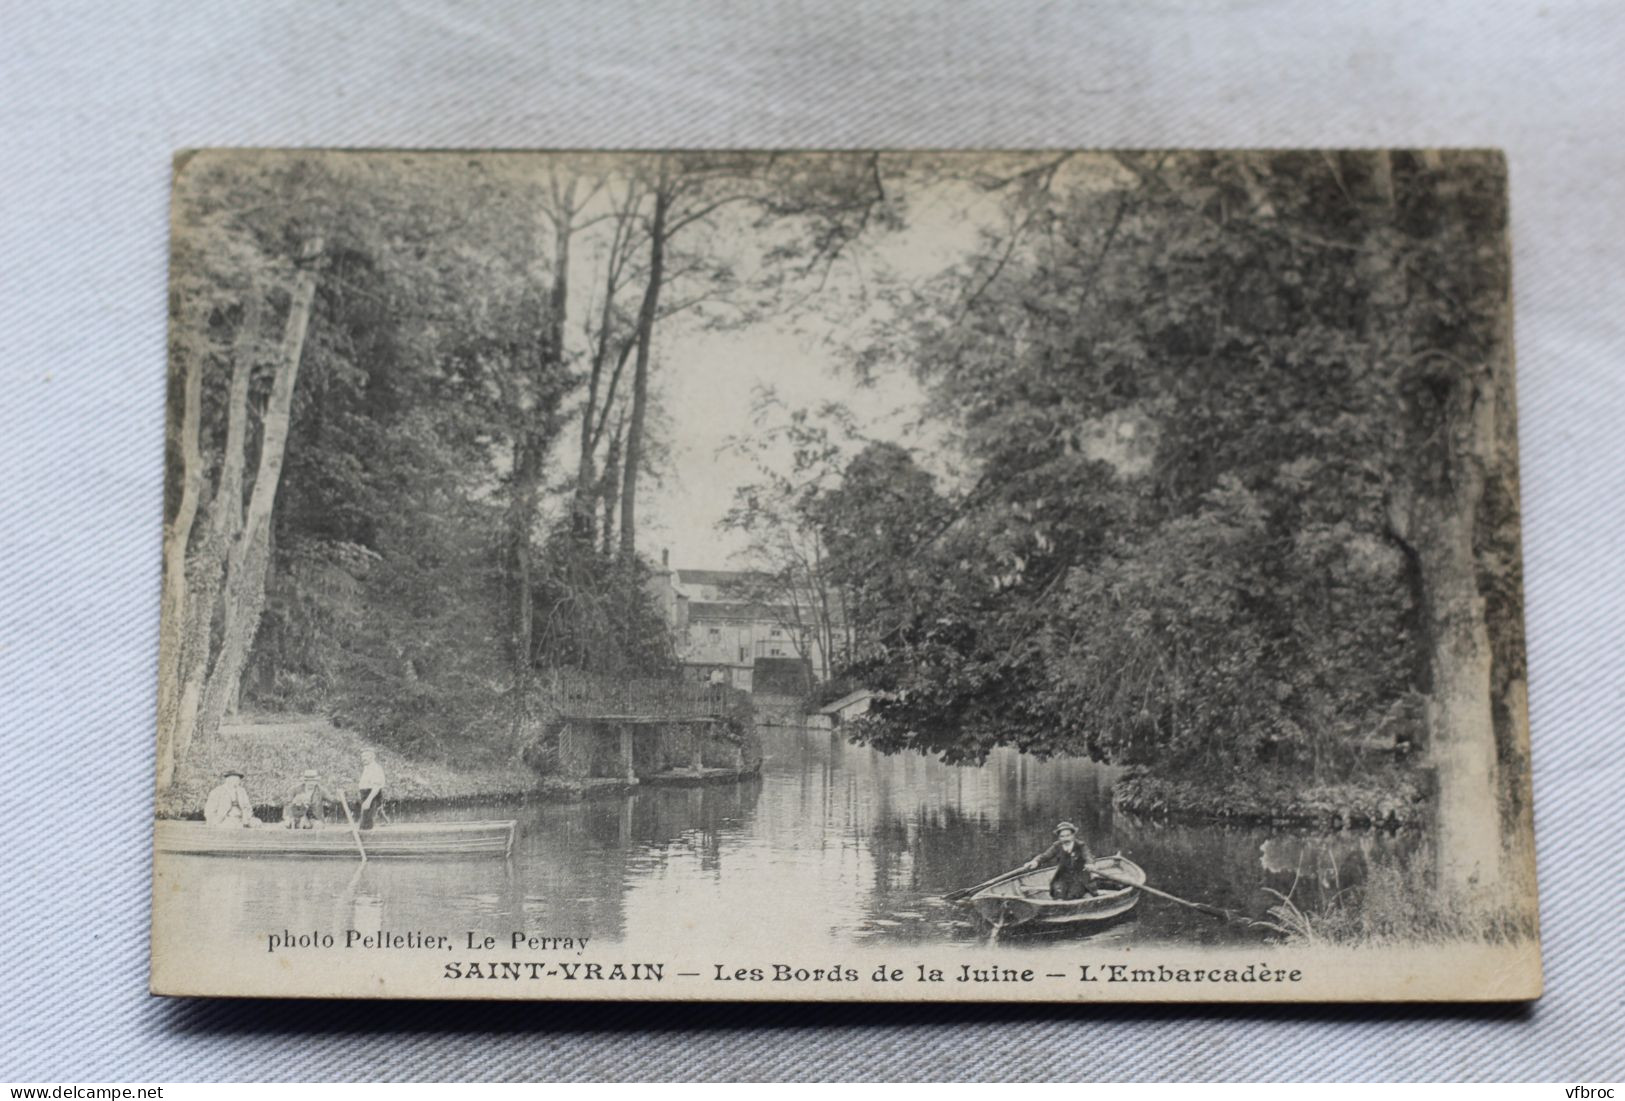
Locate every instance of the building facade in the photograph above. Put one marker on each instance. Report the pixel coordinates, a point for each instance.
(720, 630)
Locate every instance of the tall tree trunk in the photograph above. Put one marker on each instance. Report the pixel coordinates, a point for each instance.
(595, 412)
(531, 444)
(207, 567)
(177, 538)
(1511, 687)
(826, 625)
(584, 501)
(582, 520)
(226, 518)
(1460, 717)
(244, 594)
(610, 488)
(521, 515)
(1463, 438)
(633, 457)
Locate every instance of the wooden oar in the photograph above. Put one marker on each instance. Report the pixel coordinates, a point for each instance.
(994, 882)
(1212, 911)
(354, 832)
(966, 892)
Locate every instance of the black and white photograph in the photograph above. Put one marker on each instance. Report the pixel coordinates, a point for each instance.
(868, 575)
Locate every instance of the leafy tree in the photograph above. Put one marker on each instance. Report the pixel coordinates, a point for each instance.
(781, 516)
(236, 246)
(1232, 422)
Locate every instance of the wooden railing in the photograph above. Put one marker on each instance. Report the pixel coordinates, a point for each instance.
(580, 696)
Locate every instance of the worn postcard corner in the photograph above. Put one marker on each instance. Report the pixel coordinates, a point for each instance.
(1007, 576)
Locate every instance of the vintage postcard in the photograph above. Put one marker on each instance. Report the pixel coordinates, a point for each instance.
(1021, 576)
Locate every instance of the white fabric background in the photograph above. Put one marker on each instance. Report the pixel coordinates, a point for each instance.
(93, 99)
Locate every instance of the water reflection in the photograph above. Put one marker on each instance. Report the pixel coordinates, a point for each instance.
(832, 844)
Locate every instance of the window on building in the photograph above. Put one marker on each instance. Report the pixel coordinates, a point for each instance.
(741, 655)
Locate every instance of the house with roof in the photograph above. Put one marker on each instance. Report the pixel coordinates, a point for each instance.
(726, 628)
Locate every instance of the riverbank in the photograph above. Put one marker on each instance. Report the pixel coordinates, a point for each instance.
(1388, 796)
(1404, 905)
(274, 752)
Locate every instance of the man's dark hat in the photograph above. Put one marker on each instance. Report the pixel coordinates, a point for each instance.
(1066, 826)
(237, 772)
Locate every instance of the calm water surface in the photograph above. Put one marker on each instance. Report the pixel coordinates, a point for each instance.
(834, 843)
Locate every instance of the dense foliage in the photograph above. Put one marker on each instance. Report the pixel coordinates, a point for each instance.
(381, 512)
(390, 587)
(1198, 405)
(1222, 467)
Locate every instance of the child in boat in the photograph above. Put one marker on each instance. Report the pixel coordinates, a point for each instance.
(228, 806)
(306, 808)
(1071, 858)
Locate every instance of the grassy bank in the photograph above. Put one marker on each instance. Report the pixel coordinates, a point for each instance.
(1385, 795)
(1404, 906)
(274, 752)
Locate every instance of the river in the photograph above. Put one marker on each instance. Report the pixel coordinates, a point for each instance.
(833, 844)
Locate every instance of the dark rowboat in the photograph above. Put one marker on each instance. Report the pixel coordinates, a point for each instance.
(1024, 900)
(406, 839)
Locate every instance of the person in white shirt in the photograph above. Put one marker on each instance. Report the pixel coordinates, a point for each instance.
(228, 806)
(371, 784)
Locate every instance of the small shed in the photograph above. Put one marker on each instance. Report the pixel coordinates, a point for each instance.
(849, 706)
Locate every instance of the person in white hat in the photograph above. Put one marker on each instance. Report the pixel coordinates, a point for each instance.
(1071, 858)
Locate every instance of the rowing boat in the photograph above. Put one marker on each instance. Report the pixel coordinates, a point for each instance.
(406, 839)
(1025, 900)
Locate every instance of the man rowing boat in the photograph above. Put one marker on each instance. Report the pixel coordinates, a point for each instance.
(371, 786)
(1071, 858)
